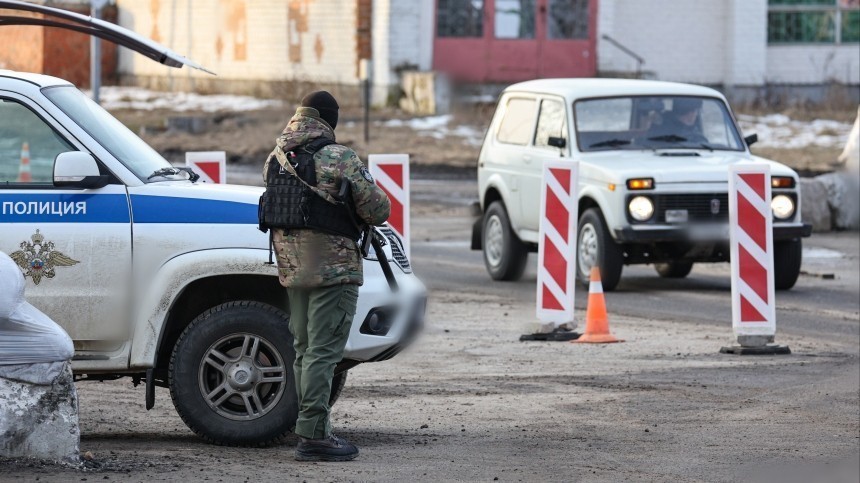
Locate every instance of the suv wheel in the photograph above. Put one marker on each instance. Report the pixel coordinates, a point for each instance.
(595, 246)
(673, 269)
(787, 258)
(505, 255)
(231, 377)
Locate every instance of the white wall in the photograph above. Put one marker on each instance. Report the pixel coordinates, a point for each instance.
(402, 34)
(813, 64)
(324, 52)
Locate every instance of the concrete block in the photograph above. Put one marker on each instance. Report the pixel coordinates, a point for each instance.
(427, 93)
(814, 208)
(843, 198)
(40, 420)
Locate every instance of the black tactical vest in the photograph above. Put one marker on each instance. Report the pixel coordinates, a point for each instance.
(290, 204)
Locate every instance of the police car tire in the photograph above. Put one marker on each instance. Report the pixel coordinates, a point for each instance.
(337, 384)
(251, 317)
(514, 254)
(673, 269)
(787, 258)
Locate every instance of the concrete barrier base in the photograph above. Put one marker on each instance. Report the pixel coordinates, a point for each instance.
(40, 420)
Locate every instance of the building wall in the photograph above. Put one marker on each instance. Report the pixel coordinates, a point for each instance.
(813, 64)
(249, 40)
(718, 42)
(53, 51)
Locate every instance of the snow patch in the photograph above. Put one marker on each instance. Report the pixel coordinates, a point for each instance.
(816, 252)
(438, 127)
(114, 98)
(780, 131)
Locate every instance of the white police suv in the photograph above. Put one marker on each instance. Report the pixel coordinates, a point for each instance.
(157, 277)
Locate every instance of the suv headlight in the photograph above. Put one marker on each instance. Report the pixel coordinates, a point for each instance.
(641, 208)
(782, 206)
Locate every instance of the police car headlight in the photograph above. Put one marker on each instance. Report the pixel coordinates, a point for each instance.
(782, 206)
(641, 208)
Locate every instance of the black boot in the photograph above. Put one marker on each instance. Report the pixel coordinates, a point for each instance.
(325, 449)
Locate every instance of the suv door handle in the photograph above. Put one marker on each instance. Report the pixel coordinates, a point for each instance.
(527, 159)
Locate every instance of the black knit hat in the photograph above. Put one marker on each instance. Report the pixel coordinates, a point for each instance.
(325, 103)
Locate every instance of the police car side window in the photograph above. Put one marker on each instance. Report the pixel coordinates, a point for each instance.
(28, 145)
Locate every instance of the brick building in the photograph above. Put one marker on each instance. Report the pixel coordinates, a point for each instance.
(58, 52)
(751, 48)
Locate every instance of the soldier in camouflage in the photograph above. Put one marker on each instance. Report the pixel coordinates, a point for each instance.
(322, 273)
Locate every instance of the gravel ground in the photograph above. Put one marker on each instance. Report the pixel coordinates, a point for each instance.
(469, 402)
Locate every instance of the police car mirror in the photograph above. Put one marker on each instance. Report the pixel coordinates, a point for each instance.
(557, 142)
(751, 139)
(77, 169)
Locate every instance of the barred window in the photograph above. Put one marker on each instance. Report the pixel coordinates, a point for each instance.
(813, 21)
(567, 19)
(515, 19)
(458, 18)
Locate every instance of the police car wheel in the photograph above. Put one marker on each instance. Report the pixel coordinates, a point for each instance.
(337, 384)
(231, 377)
(505, 255)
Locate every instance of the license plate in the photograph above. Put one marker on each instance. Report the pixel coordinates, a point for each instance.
(676, 216)
(709, 232)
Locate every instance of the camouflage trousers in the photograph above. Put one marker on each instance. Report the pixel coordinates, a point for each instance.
(320, 319)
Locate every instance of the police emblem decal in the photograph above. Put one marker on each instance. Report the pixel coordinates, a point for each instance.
(366, 174)
(38, 259)
(715, 206)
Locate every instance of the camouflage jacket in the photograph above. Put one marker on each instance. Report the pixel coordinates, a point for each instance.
(309, 258)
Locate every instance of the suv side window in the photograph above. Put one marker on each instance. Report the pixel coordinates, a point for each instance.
(551, 123)
(516, 126)
(28, 145)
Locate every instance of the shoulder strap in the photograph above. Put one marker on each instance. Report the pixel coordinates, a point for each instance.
(279, 154)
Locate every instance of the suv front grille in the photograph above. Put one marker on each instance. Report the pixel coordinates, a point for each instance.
(699, 206)
(397, 249)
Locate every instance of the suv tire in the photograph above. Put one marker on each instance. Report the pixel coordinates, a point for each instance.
(224, 354)
(787, 258)
(594, 244)
(505, 255)
(673, 269)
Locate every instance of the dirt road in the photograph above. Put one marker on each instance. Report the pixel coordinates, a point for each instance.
(469, 402)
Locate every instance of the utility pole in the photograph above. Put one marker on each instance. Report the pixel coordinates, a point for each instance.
(96, 7)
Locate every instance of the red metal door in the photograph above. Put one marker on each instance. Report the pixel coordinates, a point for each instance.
(515, 40)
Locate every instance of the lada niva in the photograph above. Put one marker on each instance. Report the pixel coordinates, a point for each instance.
(654, 159)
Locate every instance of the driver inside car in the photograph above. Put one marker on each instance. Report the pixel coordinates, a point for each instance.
(681, 121)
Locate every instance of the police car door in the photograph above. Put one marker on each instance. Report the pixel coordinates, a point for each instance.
(73, 245)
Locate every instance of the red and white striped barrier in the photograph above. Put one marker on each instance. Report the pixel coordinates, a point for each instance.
(557, 248)
(391, 172)
(751, 233)
(210, 165)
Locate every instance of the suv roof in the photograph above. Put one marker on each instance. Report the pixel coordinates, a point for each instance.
(582, 88)
(40, 80)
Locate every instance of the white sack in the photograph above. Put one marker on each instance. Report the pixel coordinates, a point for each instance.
(27, 336)
(850, 156)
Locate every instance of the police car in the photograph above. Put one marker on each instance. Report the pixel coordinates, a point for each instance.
(155, 276)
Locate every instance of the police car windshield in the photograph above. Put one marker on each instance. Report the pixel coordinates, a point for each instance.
(129, 149)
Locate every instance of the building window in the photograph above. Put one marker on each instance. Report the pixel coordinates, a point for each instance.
(567, 19)
(813, 21)
(458, 18)
(515, 19)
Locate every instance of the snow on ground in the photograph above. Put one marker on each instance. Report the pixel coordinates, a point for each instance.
(438, 127)
(113, 98)
(780, 131)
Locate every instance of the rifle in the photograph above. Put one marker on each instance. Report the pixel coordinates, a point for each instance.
(369, 236)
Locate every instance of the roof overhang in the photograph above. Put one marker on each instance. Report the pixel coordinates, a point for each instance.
(55, 17)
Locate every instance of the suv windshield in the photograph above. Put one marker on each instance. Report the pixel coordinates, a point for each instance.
(655, 122)
(129, 149)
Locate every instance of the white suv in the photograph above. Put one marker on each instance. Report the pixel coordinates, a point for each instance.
(157, 277)
(654, 160)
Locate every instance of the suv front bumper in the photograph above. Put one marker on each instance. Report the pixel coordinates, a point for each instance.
(654, 234)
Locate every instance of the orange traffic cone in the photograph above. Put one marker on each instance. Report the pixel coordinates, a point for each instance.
(24, 175)
(596, 322)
